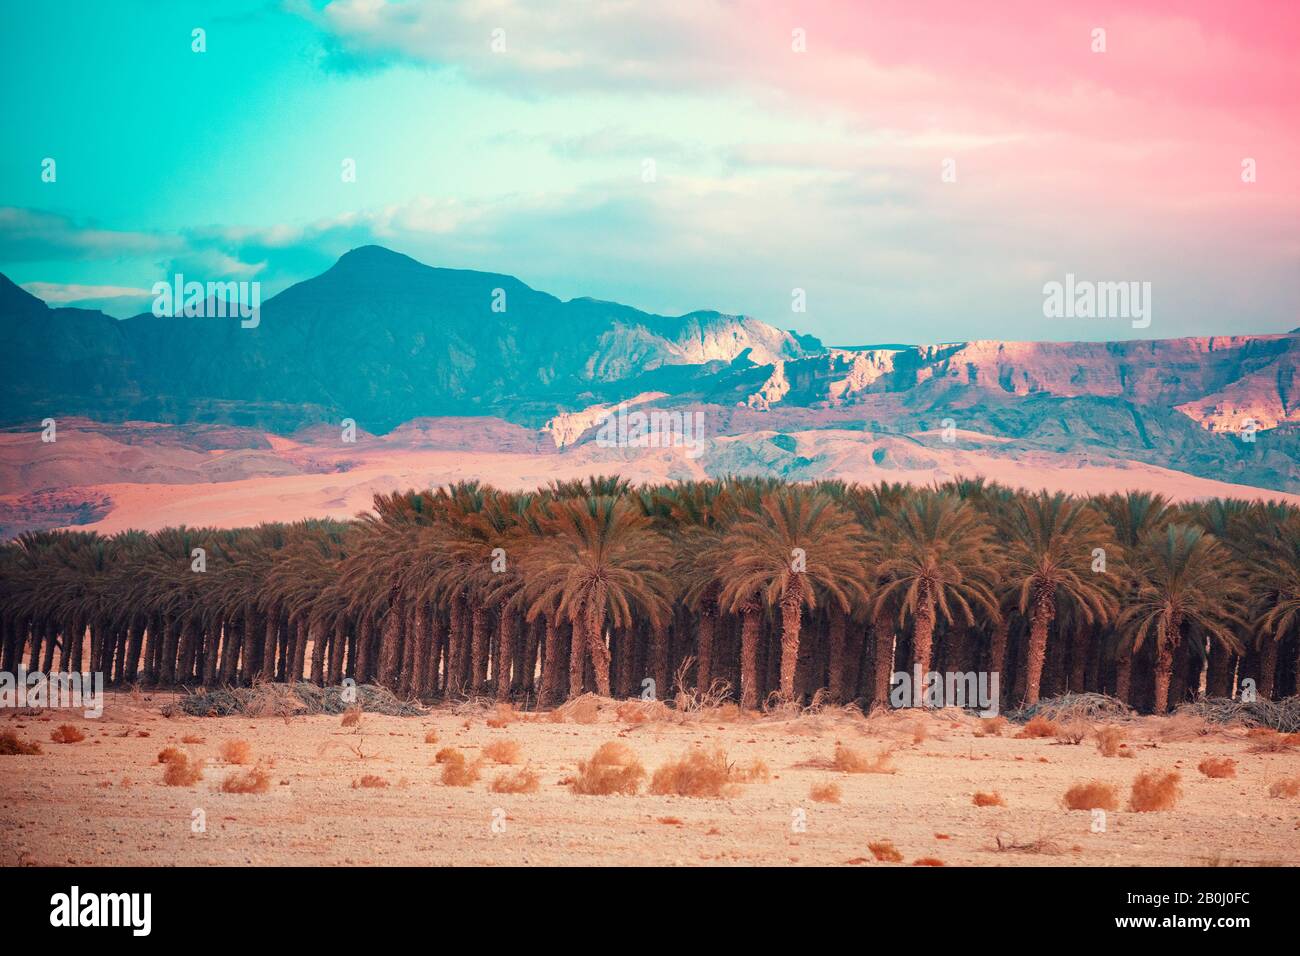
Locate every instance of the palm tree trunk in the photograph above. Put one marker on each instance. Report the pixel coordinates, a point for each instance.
(478, 648)
(1165, 648)
(1267, 668)
(390, 646)
(659, 657)
(365, 649)
(526, 663)
(577, 656)
(1218, 682)
(318, 646)
(751, 620)
(1040, 619)
(704, 648)
(551, 663)
(436, 635)
(1079, 659)
(413, 632)
(17, 632)
(337, 650)
(837, 665)
(506, 623)
(791, 618)
(998, 648)
(270, 636)
(1124, 673)
(882, 628)
(923, 636)
(211, 652)
(594, 620)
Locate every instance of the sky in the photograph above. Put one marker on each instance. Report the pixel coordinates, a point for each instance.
(918, 169)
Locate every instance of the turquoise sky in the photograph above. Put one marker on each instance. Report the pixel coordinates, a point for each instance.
(772, 171)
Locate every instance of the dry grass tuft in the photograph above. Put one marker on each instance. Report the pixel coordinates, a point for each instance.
(193, 739)
(447, 754)
(1073, 732)
(236, 752)
(501, 716)
(181, 771)
(1110, 739)
(825, 792)
(252, 780)
(457, 771)
(927, 861)
(580, 710)
(1154, 790)
(1093, 795)
(885, 851)
(168, 754)
(848, 760)
(352, 716)
(1218, 767)
(11, 746)
(502, 751)
(431, 737)
(1006, 843)
(991, 727)
(369, 782)
(994, 799)
(644, 711)
(756, 771)
(1273, 742)
(522, 780)
(613, 768)
(1289, 787)
(67, 734)
(697, 773)
(1039, 727)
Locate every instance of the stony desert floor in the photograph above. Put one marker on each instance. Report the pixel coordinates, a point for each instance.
(102, 800)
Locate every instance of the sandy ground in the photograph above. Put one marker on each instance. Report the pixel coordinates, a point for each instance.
(102, 801)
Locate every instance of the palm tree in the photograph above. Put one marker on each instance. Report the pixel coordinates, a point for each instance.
(1185, 578)
(939, 561)
(1280, 585)
(1050, 541)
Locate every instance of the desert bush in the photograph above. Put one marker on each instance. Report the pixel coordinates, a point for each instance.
(848, 760)
(613, 768)
(991, 727)
(994, 799)
(522, 780)
(501, 716)
(927, 861)
(252, 780)
(352, 716)
(236, 751)
(458, 772)
(11, 746)
(1093, 795)
(828, 792)
(756, 771)
(1285, 788)
(168, 754)
(1154, 790)
(369, 782)
(182, 771)
(1040, 727)
(446, 754)
(502, 751)
(697, 773)
(1218, 767)
(431, 737)
(1270, 741)
(1109, 740)
(1073, 732)
(885, 851)
(67, 734)
(193, 739)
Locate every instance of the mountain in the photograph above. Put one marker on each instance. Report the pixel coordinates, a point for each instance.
(433, 364)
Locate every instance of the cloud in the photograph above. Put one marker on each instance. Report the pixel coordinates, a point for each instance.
(31, 235)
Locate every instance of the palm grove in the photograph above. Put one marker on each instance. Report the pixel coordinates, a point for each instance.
(755, 588)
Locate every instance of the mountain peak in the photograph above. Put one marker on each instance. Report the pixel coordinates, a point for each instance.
(15, 299)
(372, 255)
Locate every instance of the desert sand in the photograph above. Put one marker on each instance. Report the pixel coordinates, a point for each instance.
(102, 801)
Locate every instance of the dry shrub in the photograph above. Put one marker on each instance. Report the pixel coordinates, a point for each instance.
(1273, 742)
(522, 780)
(168, 754)
(613, 768)
(1093, 795)
(502, 751)
(927, 861)
(1218, 767)
(885, 851)
(1109, 740)
(351, 716)
(698, 773)
(1006, 843)
(448, 753)
(181, 771)
(825, 792)
(670, 821)
(991, 727)
(1154, 790)
(1040, 727)
(1285, 788)
(193, 739)
(994, 799)
(1073, 732)
(11, 746)
(848, 760)
(67, 734)
(252, 780)
(236, 752)
(756, 771)
(431, 737)
(580, 710)
(369, 782)
(502, 716)
(458, 772)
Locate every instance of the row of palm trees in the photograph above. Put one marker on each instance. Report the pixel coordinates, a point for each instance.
(756, 587)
